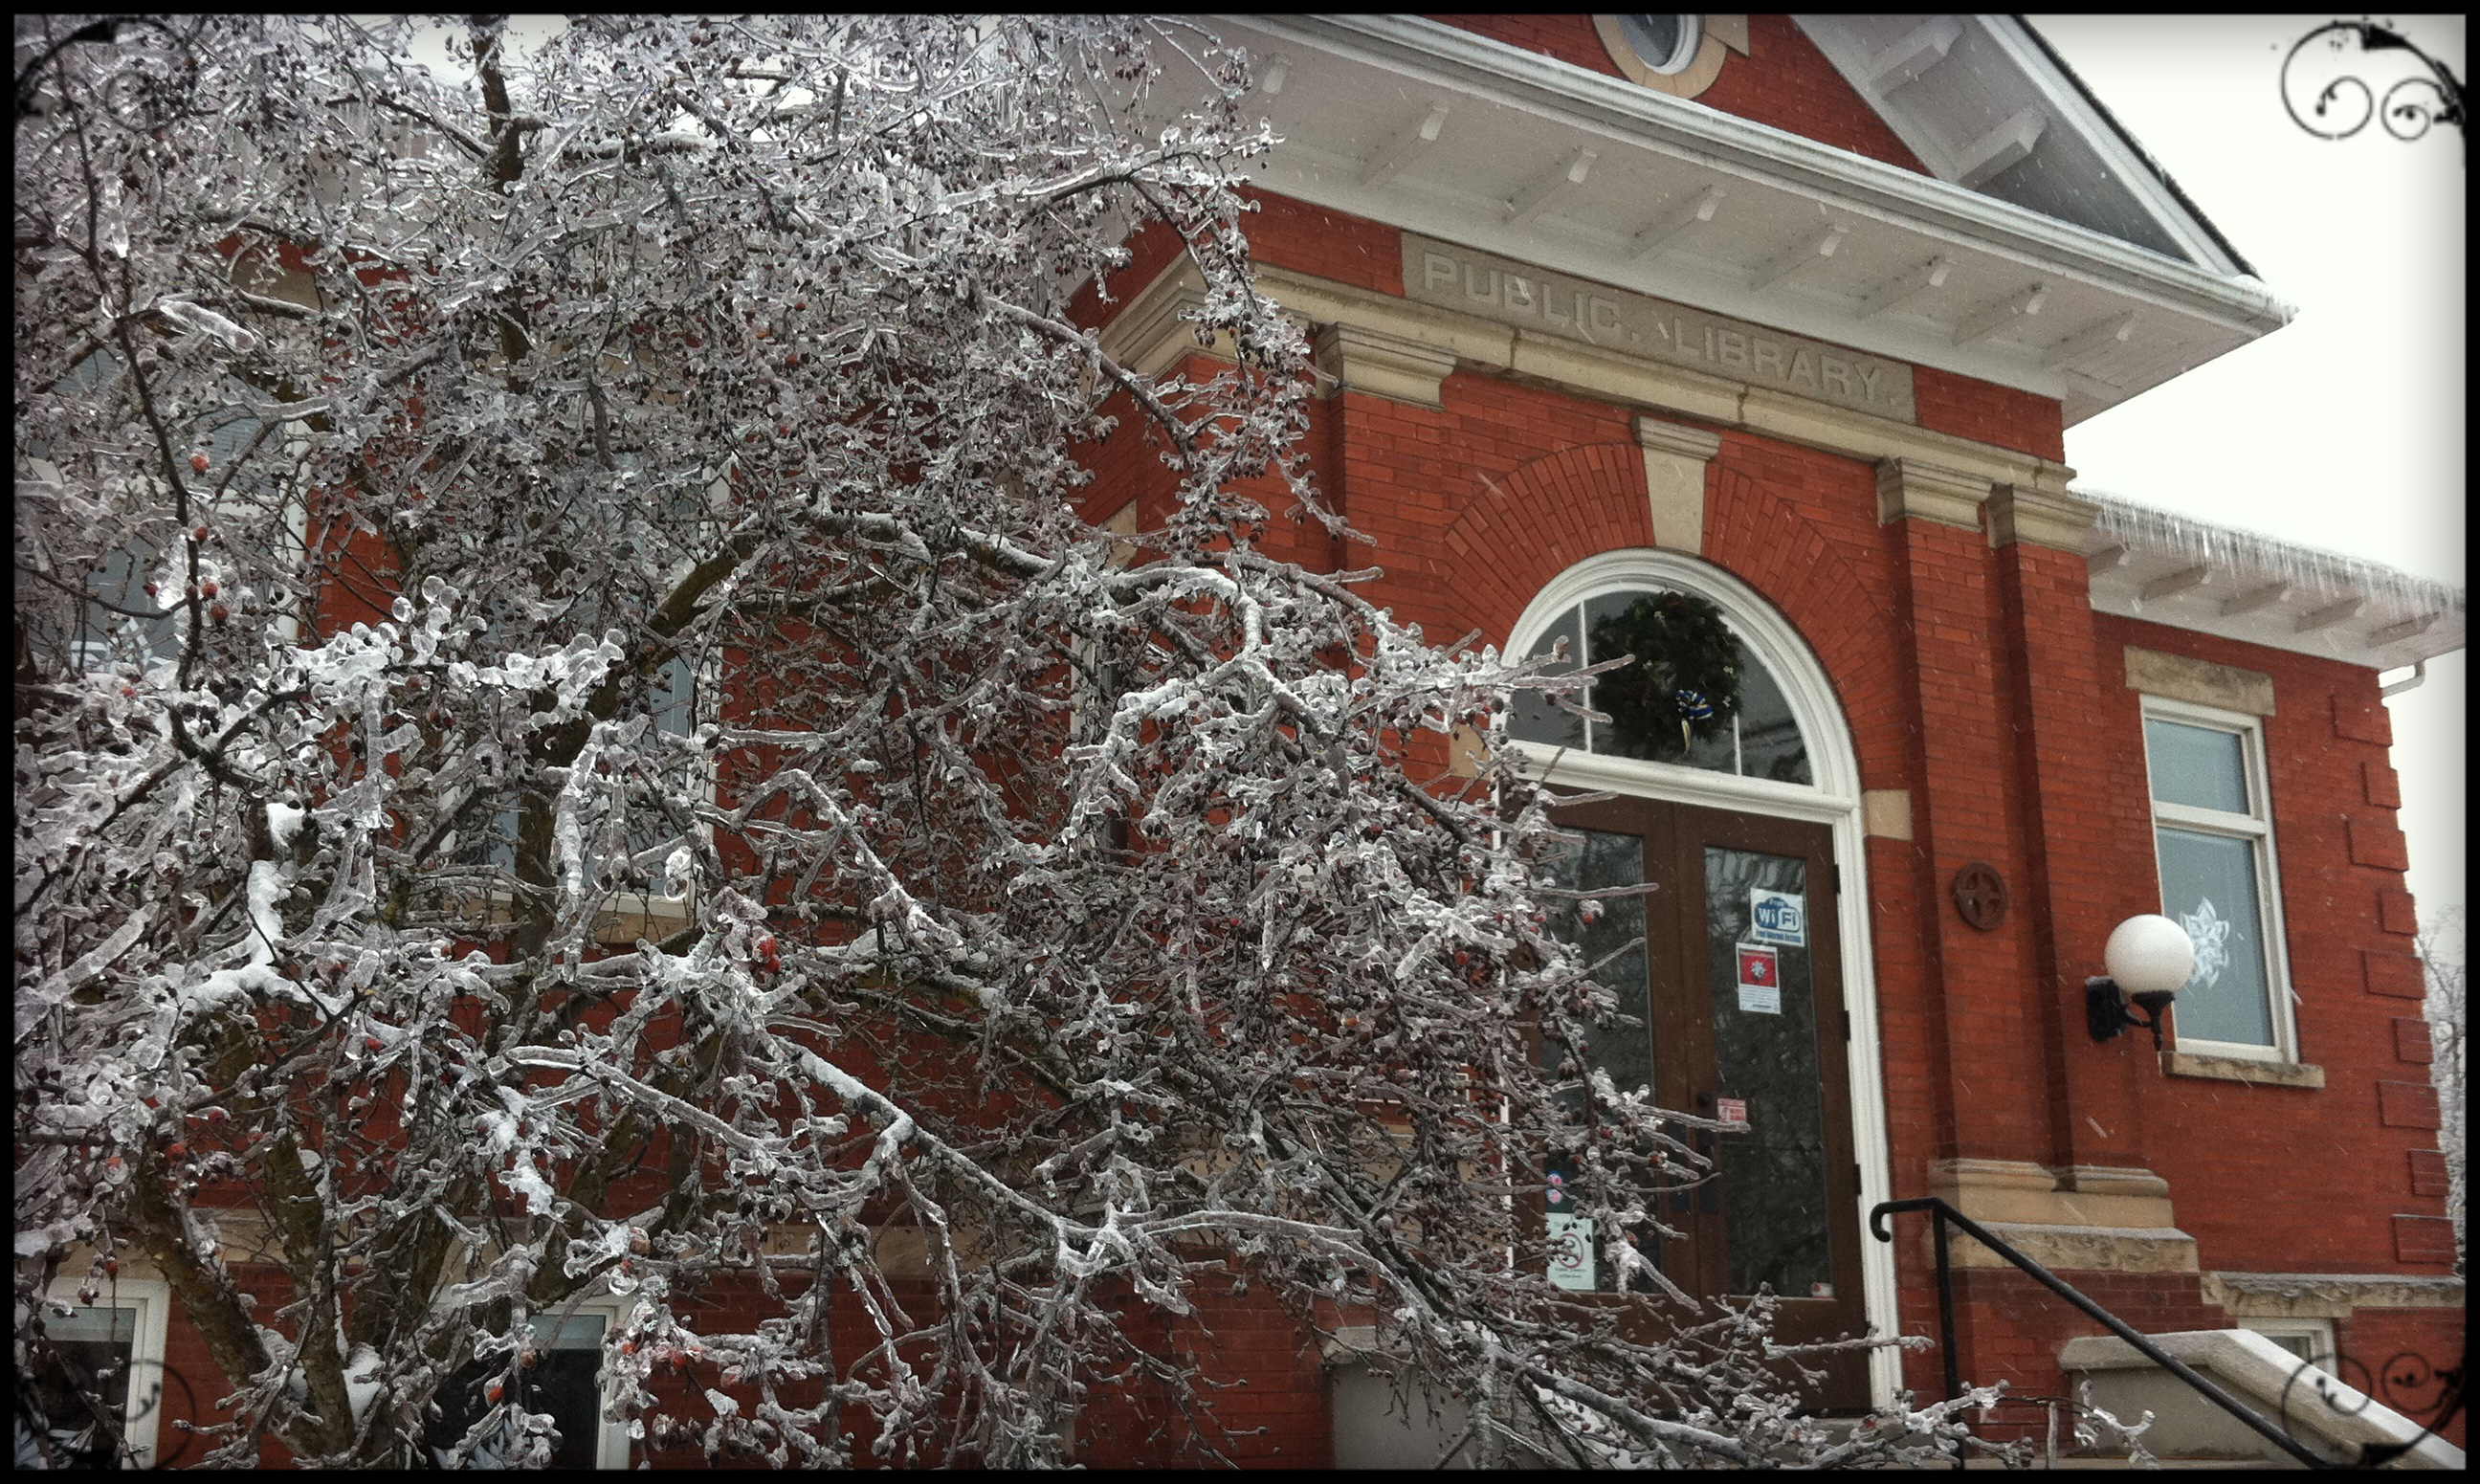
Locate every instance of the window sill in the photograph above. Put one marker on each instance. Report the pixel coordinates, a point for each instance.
(2242, 1069)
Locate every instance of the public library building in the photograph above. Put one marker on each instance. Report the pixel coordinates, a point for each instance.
(1749, 343)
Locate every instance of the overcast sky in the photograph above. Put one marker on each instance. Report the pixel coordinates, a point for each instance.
(2345, 428)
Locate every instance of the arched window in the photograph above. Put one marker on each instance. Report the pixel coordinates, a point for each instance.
(1695, 694)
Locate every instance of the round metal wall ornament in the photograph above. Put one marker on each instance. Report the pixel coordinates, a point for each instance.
(1981, 895)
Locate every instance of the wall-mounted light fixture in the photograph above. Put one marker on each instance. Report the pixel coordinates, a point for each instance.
(2149, 956)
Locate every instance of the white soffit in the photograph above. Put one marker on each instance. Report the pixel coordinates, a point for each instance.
(1437, 131)
(2170, 569)
(1983, 103)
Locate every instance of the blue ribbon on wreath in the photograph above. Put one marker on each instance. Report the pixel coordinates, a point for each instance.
(1692, 705)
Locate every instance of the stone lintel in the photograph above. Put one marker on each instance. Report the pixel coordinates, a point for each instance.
(2073, 1248)
(2199, 682)
(2039, 517)
(2243, 1069)
(1695, 443)
(1908, 489)
(2327, 1295)
(1384, 365)
(1675, 460)
(1887, 812)
(2087, 1216)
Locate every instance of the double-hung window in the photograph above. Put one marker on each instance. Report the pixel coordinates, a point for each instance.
(94, 1390)
(562, 1377)
(2213, 841)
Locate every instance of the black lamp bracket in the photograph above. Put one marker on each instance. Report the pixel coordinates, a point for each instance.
(2105, 1012)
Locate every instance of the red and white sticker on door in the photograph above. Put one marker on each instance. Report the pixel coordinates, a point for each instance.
(1760, 979)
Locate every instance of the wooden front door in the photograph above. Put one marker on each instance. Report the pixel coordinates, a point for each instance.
(1738, 982)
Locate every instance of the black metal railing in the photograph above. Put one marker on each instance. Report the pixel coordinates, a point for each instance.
(1942, 1215)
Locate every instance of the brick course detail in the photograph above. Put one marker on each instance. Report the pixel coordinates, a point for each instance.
(2377, 843)
(2396, 911)
(2428, 1175)
(2407, 1106)
(2392, 973)
(2364, 720)
(2423, 1239)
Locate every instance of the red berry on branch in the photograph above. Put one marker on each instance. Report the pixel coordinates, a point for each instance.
(199, 463)
(208, 589)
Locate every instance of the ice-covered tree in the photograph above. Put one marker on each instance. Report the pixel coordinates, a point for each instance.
(2442, 951)
(570, 734)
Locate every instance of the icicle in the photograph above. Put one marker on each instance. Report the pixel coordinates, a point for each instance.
(2145, 527)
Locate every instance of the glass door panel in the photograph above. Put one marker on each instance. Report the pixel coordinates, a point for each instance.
(1767, 1069)
(1614, 939)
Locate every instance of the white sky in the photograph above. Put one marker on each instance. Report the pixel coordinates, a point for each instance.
(2345, 428)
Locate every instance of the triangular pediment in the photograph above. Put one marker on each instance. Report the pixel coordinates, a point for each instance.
(1985, 104)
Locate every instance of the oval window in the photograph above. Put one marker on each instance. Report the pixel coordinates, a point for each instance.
(1666, 44)
(1693, 694)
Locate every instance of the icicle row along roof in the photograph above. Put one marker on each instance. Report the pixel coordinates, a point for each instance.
(2194, 574)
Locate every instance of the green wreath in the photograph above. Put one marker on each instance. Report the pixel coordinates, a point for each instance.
(1685, 682)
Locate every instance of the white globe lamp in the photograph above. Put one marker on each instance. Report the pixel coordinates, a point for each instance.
(2149, 957)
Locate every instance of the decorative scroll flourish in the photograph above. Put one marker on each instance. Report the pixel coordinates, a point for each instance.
(2409, 1383)
(2341, 106)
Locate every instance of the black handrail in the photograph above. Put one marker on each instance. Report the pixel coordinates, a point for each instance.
(1943, 1214)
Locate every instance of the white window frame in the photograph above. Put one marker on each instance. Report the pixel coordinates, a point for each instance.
(2318, 1333)
(612, 1438)
(152, 1299)
(1835, 787)
(1833, 800)
(2256, 826)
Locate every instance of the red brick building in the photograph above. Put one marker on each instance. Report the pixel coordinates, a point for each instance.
(1636, 322)
(1791, 317)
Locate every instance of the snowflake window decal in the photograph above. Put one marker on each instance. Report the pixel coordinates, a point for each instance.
(2212, 932)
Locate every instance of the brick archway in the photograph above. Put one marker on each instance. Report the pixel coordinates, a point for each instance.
(1539, 519)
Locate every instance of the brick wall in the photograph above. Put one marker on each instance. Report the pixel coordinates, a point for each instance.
(1785, 81)
(2010, 1328)
(1571, 38)
(1986, 412)
(2395, 1355)
(2322, 1179)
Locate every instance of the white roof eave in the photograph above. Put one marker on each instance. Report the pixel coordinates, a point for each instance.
(1557, 89)
(2189, 574)
(1527, 103)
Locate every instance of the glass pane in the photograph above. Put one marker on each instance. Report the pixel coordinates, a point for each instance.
(1771, 745)
(119, 588)
(109, 1326)
(1625, 1051)
(1677, 702)
(1774, 1195)
(83, 1398)
(564, 1380)
(670, 696)
(2196, 766)
(1535, 718)
(2208, 887)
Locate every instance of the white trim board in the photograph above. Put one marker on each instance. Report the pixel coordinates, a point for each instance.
(1834, 802)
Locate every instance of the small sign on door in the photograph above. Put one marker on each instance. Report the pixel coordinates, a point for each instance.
(1571, 1252)
(1731, 1111)
(1760, 979)
(1778, 916)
